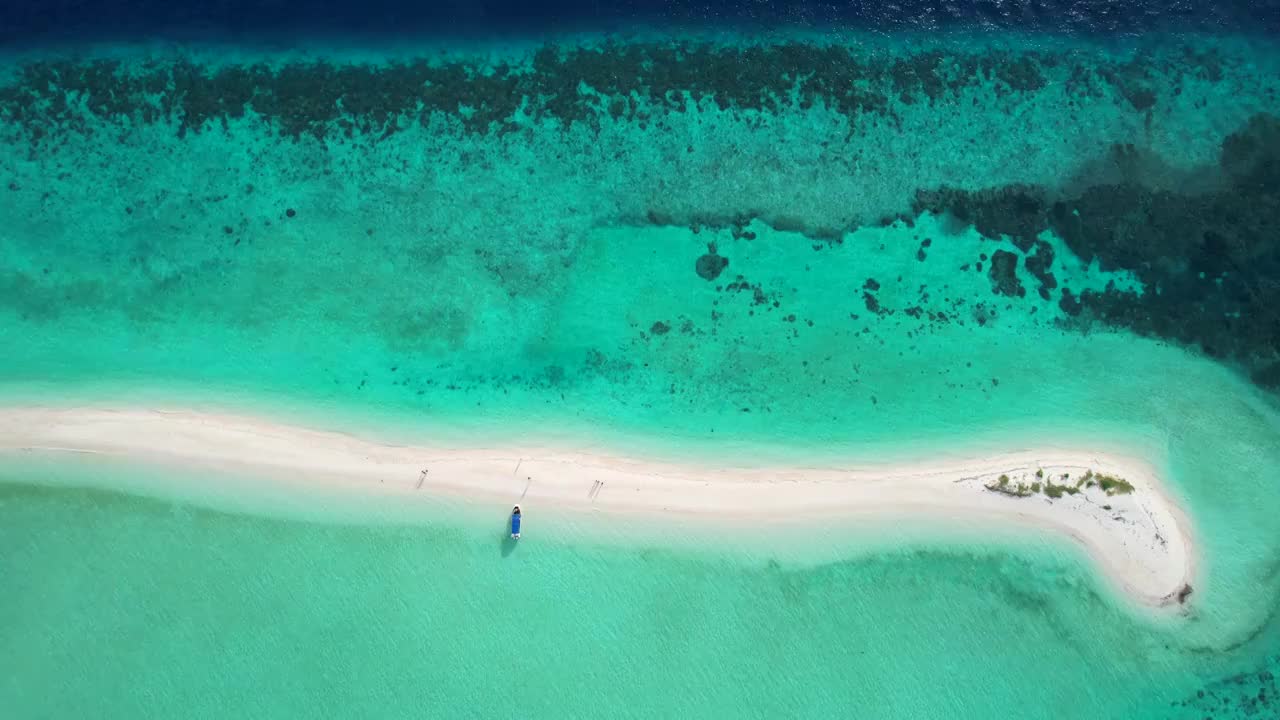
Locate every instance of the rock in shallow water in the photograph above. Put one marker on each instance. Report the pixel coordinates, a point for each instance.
(710, 266)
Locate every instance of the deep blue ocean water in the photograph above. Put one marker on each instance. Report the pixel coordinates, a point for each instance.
(278, 20)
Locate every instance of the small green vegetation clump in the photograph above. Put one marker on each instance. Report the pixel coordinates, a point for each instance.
(1001, 485)
(1113, 485)
(1109, 484)
(1057, 491)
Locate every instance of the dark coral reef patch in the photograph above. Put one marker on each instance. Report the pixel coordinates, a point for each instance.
(1208, 262)
(621, 80)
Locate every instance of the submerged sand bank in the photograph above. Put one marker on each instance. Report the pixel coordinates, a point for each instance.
(1141, 539)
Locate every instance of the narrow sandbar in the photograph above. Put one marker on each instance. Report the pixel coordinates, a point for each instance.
(1137, 535)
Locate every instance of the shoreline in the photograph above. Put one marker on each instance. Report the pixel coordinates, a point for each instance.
(1140, 541)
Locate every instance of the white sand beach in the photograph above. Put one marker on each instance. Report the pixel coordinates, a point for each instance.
(1141, 539)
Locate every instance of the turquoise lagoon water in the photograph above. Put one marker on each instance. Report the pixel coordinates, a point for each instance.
(549, 281)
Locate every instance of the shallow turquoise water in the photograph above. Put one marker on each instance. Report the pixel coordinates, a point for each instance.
(443, 283)
(201, 614)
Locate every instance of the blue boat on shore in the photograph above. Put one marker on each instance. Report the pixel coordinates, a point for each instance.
(515, 523)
